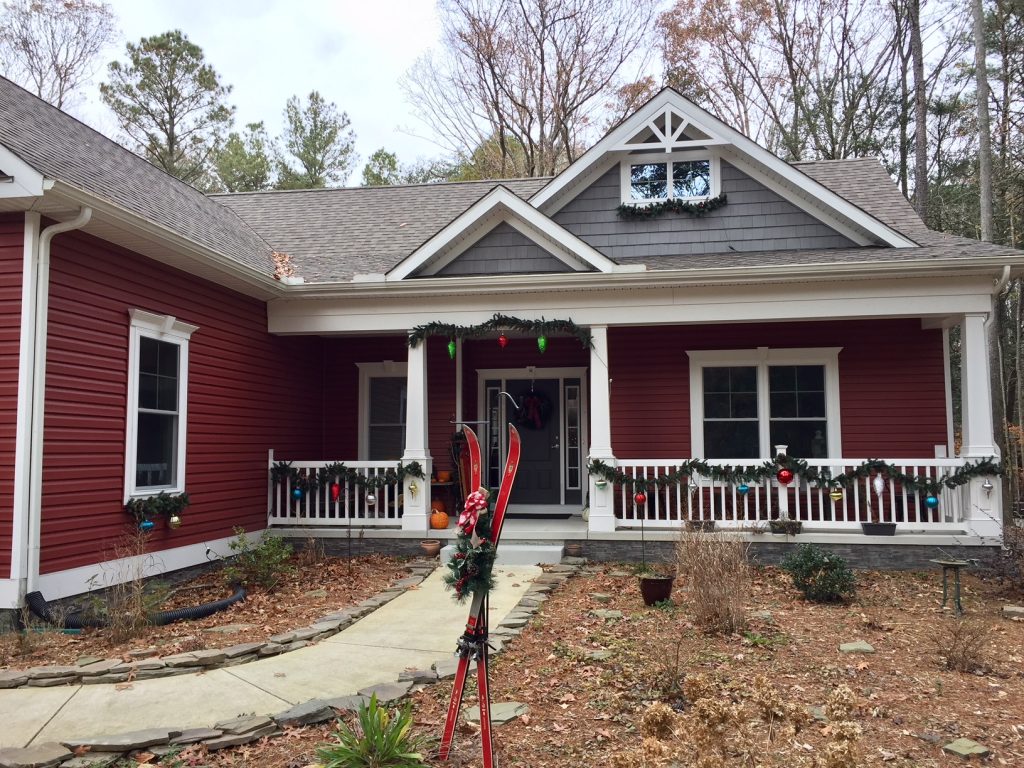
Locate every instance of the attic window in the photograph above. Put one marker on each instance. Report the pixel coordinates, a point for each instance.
(679, 176)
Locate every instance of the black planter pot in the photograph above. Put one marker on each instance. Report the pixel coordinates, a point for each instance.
(655, 589)
(878, 529)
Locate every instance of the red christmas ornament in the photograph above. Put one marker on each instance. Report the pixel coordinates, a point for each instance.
(785, 476)
(335, 491)
(640, 498)
(503, 341)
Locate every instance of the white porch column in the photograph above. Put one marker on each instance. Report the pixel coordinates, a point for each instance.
(416, 506)
(984, 513)
(602, 495)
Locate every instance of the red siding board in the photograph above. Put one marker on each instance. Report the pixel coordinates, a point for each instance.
(12, 239)
(891, 381)
(248, 392)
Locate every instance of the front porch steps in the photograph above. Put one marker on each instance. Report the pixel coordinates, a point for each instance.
(519, 552)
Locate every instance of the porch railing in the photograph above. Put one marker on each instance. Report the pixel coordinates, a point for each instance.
(354, 506)
(702, 498)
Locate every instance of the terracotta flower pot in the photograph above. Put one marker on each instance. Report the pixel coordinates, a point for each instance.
(431, 547)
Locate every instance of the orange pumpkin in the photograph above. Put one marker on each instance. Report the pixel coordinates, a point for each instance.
(438, 505)
(438, 519)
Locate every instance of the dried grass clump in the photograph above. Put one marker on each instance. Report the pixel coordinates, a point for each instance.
(717, 573)
(658, 722)
(964, 646)
(124, 601)
(842, 731)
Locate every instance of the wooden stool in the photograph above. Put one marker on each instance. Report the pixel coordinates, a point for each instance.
(954, 566)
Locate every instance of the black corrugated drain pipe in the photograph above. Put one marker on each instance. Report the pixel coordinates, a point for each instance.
(38, 605)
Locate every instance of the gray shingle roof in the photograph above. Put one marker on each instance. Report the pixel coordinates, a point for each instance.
(333, 234)
(64, 149)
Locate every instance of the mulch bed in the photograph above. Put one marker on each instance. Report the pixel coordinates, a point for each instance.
(587, 712)
(319, 585)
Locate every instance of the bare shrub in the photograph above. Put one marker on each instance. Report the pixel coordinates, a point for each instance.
(312, 552)
(964, 645)
(717, 573)
(125, 602)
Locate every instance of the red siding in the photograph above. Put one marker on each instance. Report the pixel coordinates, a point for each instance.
(891, 383)
(12, 235)
(248, 392)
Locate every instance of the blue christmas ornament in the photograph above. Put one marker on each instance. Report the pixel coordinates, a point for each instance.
(743, 488)
(931, 502)
(297, 494)
(146, 525)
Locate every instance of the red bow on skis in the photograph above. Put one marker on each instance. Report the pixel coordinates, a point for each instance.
(476, 503)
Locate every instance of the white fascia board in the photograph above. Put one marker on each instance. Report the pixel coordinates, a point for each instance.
(838, 206)
(261, 285)
(26, 181)
(501, 201)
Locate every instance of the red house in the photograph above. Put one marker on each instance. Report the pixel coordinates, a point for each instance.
(698, 298)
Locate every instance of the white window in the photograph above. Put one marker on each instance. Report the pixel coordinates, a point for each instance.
(383, 389)
(745, 402)
(157, 404)
(681, 176)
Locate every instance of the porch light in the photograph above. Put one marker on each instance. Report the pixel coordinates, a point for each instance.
(987, 487)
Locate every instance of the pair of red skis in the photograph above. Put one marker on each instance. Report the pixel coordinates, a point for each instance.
(472, 646)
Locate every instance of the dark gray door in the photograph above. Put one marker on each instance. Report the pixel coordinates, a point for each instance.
(539, 479)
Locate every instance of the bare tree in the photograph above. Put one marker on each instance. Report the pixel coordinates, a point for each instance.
(52, 46)
(526, 78)
(920, 109)
(984, 137)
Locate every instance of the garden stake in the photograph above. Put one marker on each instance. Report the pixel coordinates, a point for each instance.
(473, 643)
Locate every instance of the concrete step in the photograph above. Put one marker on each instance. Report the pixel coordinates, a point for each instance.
(518, 553)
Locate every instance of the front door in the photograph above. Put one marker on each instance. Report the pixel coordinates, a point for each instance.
(537, 417)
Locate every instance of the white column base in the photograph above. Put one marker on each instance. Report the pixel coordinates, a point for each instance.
(416, 507)
(602, 501)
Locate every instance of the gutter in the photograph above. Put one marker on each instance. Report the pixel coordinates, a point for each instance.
(36, 392)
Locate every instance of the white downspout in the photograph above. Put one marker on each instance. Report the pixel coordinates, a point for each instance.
(37, 394)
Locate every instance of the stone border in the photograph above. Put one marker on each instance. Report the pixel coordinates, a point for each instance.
(147, 666)
(105, 750)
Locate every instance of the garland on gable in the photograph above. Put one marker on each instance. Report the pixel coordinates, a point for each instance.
(817, 477)
(672, 205)
(500, 322)
(306, 480)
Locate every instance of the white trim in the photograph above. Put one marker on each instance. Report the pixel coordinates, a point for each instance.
(22, 440)
(75, 581)
(26, 181)
(535, 372)
(625, 176)
(834, 206)
(10, 594)
(761, 358)
(948, 379)
(168, 329)
(367, 371)
(500, 201)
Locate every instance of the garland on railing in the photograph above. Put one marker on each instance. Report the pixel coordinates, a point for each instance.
(283, 472)
(673, 205)
(818, 477)
(539, 328)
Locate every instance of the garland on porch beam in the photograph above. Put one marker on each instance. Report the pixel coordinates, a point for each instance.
(673, 205)
(817, 477)
(318, 477)
(499, 322)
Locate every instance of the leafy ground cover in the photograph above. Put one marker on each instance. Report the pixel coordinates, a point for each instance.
(589, 681)
(311, 586)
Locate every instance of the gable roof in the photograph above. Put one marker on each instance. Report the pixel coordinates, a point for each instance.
(63, 149)
(334, 234)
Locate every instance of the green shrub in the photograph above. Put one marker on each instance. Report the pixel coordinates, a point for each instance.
(258, 563)
(822, 576)
(382, 740)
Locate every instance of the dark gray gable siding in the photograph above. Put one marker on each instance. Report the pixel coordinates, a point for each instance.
(754, 219)
(504, 251)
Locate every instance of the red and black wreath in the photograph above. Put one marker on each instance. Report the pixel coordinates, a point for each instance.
(534, 411)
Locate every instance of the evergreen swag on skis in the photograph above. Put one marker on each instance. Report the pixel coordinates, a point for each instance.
(471, 565)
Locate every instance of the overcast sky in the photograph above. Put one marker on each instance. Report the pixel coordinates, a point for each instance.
(352, 51)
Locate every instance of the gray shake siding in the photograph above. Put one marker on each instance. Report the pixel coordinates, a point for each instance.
(504, 251)
(754, 219)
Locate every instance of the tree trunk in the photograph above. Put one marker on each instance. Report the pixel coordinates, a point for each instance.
(920, 111)
(984, 137)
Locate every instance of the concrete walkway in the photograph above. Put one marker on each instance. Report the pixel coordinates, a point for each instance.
(413, 631)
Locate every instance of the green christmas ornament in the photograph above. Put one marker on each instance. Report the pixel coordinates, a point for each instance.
(542, 343)
(451, 349)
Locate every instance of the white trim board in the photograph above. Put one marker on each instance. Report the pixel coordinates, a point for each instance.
(75, 581)
(26, 181)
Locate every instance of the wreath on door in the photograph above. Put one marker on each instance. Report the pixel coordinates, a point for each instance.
(534, 411)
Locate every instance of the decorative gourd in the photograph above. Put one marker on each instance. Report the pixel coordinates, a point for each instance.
(438, 519)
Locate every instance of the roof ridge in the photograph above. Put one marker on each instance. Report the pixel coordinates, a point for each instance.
(872, 158)
(361, 187)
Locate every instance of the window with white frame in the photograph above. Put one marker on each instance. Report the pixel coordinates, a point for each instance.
(680, 175)
(157, 404)
(745, 402)
(383, 391)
